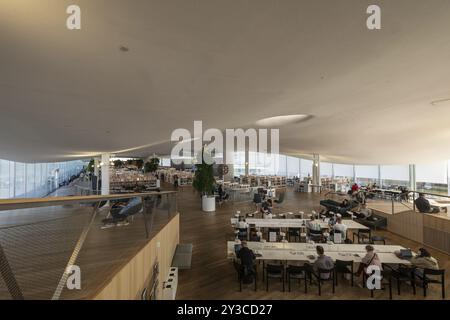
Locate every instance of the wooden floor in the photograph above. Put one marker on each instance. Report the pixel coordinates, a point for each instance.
(212, 276)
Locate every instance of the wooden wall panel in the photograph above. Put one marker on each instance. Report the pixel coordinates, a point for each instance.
(129, 282)
(437, 232)
(408, 224)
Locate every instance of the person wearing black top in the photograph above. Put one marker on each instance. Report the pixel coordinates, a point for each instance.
(247, 258)
(423, 205)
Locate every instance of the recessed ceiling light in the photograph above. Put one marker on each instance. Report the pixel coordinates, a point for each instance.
(440, 102)
(283, 120)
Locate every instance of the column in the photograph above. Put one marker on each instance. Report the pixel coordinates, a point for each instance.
(379, 176)
(448, 177)
(316, 173)
(105, 173)
(412, 177)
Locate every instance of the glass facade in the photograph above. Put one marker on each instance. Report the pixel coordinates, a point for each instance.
(431, 178)
(35, 180)
(366, 175)
(394, 176)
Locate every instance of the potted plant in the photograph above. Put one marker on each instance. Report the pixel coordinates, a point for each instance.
(204, 183)
(152, 165)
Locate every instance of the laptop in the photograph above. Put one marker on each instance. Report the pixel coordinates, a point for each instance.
(405, 253)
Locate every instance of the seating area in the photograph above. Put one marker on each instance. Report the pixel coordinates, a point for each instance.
(236, 150)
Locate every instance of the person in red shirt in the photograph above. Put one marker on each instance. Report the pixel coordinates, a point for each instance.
(355, 187)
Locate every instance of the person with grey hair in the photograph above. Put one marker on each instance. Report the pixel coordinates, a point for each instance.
(322, 262)
(370, 259)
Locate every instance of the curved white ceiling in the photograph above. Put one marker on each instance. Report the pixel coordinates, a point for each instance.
(66, 94)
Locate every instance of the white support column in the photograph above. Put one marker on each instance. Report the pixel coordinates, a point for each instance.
(96, 166)
(316, 172)
(105, 173)
(379, 176)
(412, 177)
(448, 177)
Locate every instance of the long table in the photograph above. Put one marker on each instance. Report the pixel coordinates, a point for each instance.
(295, 223)
(306, 252)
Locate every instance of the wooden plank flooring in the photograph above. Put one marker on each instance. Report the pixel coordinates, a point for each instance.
(213, 277)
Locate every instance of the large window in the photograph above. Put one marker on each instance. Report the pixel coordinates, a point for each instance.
(432, 178)
(306, 169)
(4, 179)
(366, 175)
(394, 176)
(343, 171)
(326, 170)
(293, 167)
(22, 180)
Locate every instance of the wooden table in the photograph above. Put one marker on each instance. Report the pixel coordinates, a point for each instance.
(306, 252)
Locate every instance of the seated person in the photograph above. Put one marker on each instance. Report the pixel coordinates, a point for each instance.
(424, 260)
(266, 207)
(371, 258)
(322, 262)
(341, 227)
(345, 203)
(241, 224)
(313, 224)
(405, 193)
(364, 212)
(355, 188)
(247, 258)
(423, 205)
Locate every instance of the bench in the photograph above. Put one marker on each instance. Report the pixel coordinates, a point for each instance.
(183, 256)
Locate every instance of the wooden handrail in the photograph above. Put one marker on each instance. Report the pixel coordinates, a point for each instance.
(22, 203)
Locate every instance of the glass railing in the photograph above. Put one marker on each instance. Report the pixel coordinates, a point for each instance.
(69, 247)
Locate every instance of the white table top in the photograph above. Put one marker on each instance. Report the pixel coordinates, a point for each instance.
(303, 251)
(294, 223)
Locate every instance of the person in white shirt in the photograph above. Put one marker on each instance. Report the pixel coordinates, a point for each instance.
(242, 224)
(313, 224)
(364, 212)
(339, 226)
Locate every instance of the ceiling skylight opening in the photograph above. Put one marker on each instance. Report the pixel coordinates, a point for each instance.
(284, 120)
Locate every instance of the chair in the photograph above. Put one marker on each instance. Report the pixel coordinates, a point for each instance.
(316, 235)
(276, 230)
(240, 272)
(320, 279)
(343, 267)
(294, 232)
(280, 199)
(275, 272)
(386, 279)
(374, 239)
(426, 279)
(242, 235)
(403, 274)
(257, 200)
(296, 272)
(364, 236)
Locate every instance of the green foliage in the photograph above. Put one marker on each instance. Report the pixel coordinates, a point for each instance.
(204, 178)
(118, 164)
(90, 167)
(139, 163)
(152, 165)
